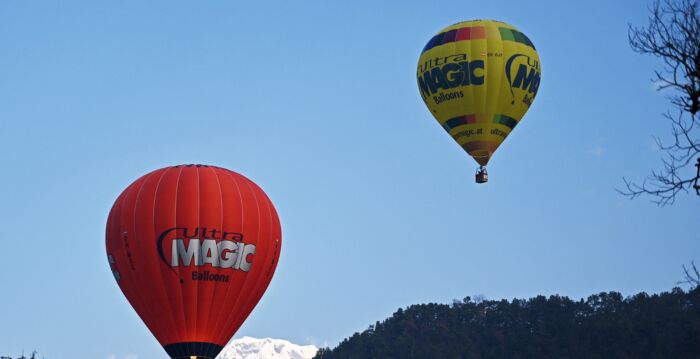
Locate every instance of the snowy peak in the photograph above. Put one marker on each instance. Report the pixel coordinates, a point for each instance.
(267, 348)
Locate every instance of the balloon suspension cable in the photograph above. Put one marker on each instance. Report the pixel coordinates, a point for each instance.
(481, 175)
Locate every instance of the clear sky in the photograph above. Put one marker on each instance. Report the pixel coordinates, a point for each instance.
(316, 101)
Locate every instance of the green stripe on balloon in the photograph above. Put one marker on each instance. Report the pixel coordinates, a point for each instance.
(515, 36)
(505, 120)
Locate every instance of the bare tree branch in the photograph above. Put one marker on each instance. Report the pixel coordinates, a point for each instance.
(673, 34)
(692, 275)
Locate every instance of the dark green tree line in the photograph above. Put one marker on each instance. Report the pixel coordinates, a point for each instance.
(605, 325)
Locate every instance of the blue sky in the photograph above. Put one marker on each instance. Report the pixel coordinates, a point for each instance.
(317, 103)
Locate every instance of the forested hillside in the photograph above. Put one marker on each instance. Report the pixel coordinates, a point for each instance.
(605, 325)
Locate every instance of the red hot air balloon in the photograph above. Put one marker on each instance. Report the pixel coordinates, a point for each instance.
(193, 248)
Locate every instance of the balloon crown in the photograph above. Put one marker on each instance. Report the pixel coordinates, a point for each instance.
(195, 165)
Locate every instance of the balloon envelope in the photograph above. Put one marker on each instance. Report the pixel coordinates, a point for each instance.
(478, 78)
(193, 249)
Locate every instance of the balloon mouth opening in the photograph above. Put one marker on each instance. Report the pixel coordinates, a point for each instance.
(190, 350)
(482, 157)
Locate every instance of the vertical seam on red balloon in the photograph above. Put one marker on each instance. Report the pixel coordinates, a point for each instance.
(135, 300)
(221, 227)
(197, 345)
(220, 328)
(164, 172)
(277, 244)
(234, 312)
(271, 235)
(253, 292)
(278, 239)
(124, 273)
(206, 312)
(271, 252)
(132, 278)
(122, 218)
(199, 217)
(182, 329)
(133, 231)
(214, 337)
(249, 278)
(256, 280)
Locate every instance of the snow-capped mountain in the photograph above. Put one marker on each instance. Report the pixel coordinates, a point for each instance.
(252, 348)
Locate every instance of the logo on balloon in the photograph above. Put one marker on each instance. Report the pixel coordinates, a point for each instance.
(449, 72)
(201, 247)
(523, 73)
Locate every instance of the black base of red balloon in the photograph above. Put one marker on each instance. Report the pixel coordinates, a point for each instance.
(187, 350)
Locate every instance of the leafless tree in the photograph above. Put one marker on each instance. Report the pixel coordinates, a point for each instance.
(692, 276)
(673, 35)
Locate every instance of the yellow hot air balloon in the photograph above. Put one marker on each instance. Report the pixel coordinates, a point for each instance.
(478, 78)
